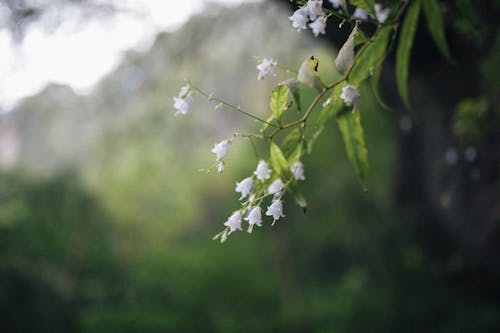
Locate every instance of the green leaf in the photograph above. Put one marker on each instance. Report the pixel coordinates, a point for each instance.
(279, 101)
(293, 86)
(372, 55)
(350, 126)
(298, 196)
(291, 141)
(278, 160)
(366, 5)
(404, 49)
(436, 26)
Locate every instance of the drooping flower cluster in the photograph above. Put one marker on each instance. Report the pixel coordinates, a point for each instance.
(311, 11)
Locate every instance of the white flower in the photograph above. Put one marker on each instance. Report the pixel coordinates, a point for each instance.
(360, 14)
(234, 222)
(266, 68)
(220, 149)
(336, 3)
(314, 9)
(262, 172)
(318, 26)
(297, 170)
(299, 19)
(275, 210)
(381, 13)
(276, 187)
(350, 95)
(244, 187)
(220, 167)
(183, 101)
(254, 217)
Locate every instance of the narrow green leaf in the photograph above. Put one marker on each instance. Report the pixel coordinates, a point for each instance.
(375, 80)
(298, 196)
(293, 86)
(352, 132)
(278, 160)
(366, 5)
(436, 26)
(291, 141)
(279, 101)
(373, 55)
(404, 49)
(268, 121)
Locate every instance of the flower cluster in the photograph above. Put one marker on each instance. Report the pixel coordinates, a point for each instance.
(183, 101)
(314, 13)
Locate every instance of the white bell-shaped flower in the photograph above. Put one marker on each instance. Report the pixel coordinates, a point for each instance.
(220, 149)
(244, 187)
(336, 3)
(360, 14)
(276, 187)
(381, 13)
(254, 218)
(350, 95)
(267, 68)
(318, 26)
(314, 9)
(297, 170)
(262, 172)
(183, 101)
(234, 222)
(275, 210)
(299, 19)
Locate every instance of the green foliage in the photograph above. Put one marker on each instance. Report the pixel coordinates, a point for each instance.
(366, 5)
(352, 132)
(403, 53)
(278, 160)
(435, 26)
(279, 101)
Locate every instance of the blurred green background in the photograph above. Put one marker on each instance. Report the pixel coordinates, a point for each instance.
(106, 224)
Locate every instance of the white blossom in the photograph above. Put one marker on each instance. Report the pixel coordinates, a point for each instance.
(220, 149)
(266, 68)
(234, 222)
(275, 210)
(314, 9)
(297, 170)
(336, 3)
(244, 187)
(381, 13)
(183, 101)
(220, 166)
(360, 14)
(262, 172)
(318, 26)
(254, 217)
(276, 187)
(299, 19)
(350, 95)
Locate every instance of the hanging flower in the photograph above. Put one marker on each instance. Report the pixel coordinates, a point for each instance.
(220, 149)
(297, 170)
(254, 218)
(360, 14)
(183, 101)
(299, 19)
(318, 26)
(276, 187)
(350, 95)
(234, 222)
(244, 187)
(266, 68)
(275, 210)
(262, 172)
(314, 9)
(381, 13)
(220, 166)
(336, 3)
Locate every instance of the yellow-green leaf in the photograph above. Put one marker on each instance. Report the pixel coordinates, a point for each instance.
(350, 126)
(371, 56)
(436, 26)
(278, 160)
(279, 101)
(404, 49)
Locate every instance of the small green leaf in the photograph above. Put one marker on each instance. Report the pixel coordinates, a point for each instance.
(278, 160)
(436, 26)
(373, 55)
(291, 141)
(366, 5)
(268, 121)
(375, 79)
(352, 132)
(404, 49)
(279, 101)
